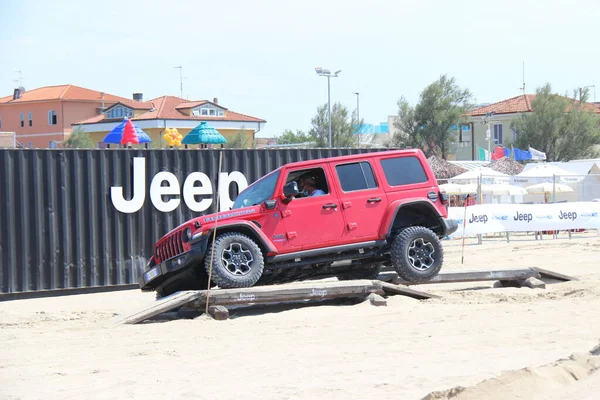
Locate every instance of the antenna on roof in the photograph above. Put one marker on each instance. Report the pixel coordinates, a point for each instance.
(522, 88)
(20, 80)
(181, 78)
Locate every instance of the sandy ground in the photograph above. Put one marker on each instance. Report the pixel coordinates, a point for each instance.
(71, 348)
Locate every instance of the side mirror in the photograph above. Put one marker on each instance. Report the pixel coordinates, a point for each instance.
(290, 189)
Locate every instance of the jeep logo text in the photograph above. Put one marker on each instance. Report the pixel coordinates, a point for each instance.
(569, 215)
(523, 217)
(478, 218)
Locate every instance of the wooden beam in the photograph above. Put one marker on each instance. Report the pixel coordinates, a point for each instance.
(478, 276)
(391, 289)
(163, 305)
(305, 291)
(554, 275)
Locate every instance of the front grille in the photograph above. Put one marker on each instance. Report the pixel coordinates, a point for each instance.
(170, 247)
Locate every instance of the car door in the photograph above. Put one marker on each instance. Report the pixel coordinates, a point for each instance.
(362, 197)
(313, 221)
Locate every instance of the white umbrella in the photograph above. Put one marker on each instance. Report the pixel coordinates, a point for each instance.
(451, 188)
(495, 190)
(548, 187)
(545, 173)
(487, 175)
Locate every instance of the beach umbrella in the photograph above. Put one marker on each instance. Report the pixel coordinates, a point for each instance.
(204, 134)
(548, 187)
(451, 188)
(443, 169)
(487, 175)
(127, 133)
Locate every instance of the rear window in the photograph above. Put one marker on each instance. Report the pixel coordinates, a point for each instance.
(356, 176)
(403, 171)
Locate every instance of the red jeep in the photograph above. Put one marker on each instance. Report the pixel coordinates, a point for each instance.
(342, 216)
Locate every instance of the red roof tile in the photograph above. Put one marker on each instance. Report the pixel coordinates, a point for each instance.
(167, 107)
(62, 92)
(518, 104)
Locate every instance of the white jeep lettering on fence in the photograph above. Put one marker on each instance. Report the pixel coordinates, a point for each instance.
(157, 191)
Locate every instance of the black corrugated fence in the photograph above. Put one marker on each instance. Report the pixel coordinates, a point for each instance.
(89, 218)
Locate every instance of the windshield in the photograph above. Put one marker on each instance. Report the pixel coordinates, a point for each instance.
(258, 192)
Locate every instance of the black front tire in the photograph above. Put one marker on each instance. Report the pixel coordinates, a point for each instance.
(187, 280)
(365, 271)
(417, 254)
(237, 261)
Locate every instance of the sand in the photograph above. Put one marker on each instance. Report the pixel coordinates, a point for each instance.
(476, 337)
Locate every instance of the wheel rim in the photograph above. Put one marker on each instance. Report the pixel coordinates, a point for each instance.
(237, 259)
(420, 254)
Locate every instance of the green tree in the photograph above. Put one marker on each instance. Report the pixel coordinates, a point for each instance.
(428, 125)
(289, 137)
(78, 140)
(239, 141)
(564, 128)
(343, 127)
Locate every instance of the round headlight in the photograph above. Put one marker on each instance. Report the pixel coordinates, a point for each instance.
(186, 235)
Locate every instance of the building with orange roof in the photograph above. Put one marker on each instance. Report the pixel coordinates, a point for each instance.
(156, 115)
(45, 115)
(502, 114)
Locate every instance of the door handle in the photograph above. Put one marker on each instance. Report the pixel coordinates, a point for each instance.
(330, 205)
(374, 200)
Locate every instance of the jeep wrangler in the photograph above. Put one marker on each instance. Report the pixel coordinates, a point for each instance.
(341, 216)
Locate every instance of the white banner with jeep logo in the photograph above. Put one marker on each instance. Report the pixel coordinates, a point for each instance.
(492, 218)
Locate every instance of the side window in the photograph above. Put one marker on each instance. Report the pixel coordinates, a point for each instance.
(403, 171)
(311, 182)
(356, 176)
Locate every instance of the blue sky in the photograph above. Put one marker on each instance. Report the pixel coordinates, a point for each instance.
(258, 57)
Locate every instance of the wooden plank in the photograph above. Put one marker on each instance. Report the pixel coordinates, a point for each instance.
(288, 293)
(163, 305)
(533, 283)
(478, 276)
(391, 289)
(376, 300)
(554, 275)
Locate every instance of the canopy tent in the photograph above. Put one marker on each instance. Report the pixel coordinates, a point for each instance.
(127, 133)
(545, 173)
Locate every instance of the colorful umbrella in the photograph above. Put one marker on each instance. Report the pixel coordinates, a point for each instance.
(204, 134)
(126, 132)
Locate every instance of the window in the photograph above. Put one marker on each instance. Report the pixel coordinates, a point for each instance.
(22, 120)
(498, 134)
(260, 191)
(403, 171)
(204, 111)
(307, 177)
(212, 111)
(221, 113)
(30, 119)
(52, 117)
(464, 134)
(356, 176)
(119, 112)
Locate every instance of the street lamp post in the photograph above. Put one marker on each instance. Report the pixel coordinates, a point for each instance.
(326, 73)
(358, 116)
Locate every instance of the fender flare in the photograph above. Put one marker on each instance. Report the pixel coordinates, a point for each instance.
(260, 235)
(395, 207)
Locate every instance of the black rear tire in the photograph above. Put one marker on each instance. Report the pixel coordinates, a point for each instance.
(238, 261)
(417, 254)
(365, 271)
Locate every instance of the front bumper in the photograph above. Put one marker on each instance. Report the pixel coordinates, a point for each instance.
(449, 226)
(155, 274)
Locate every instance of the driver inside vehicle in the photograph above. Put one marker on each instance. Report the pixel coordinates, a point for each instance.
(310, 187)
